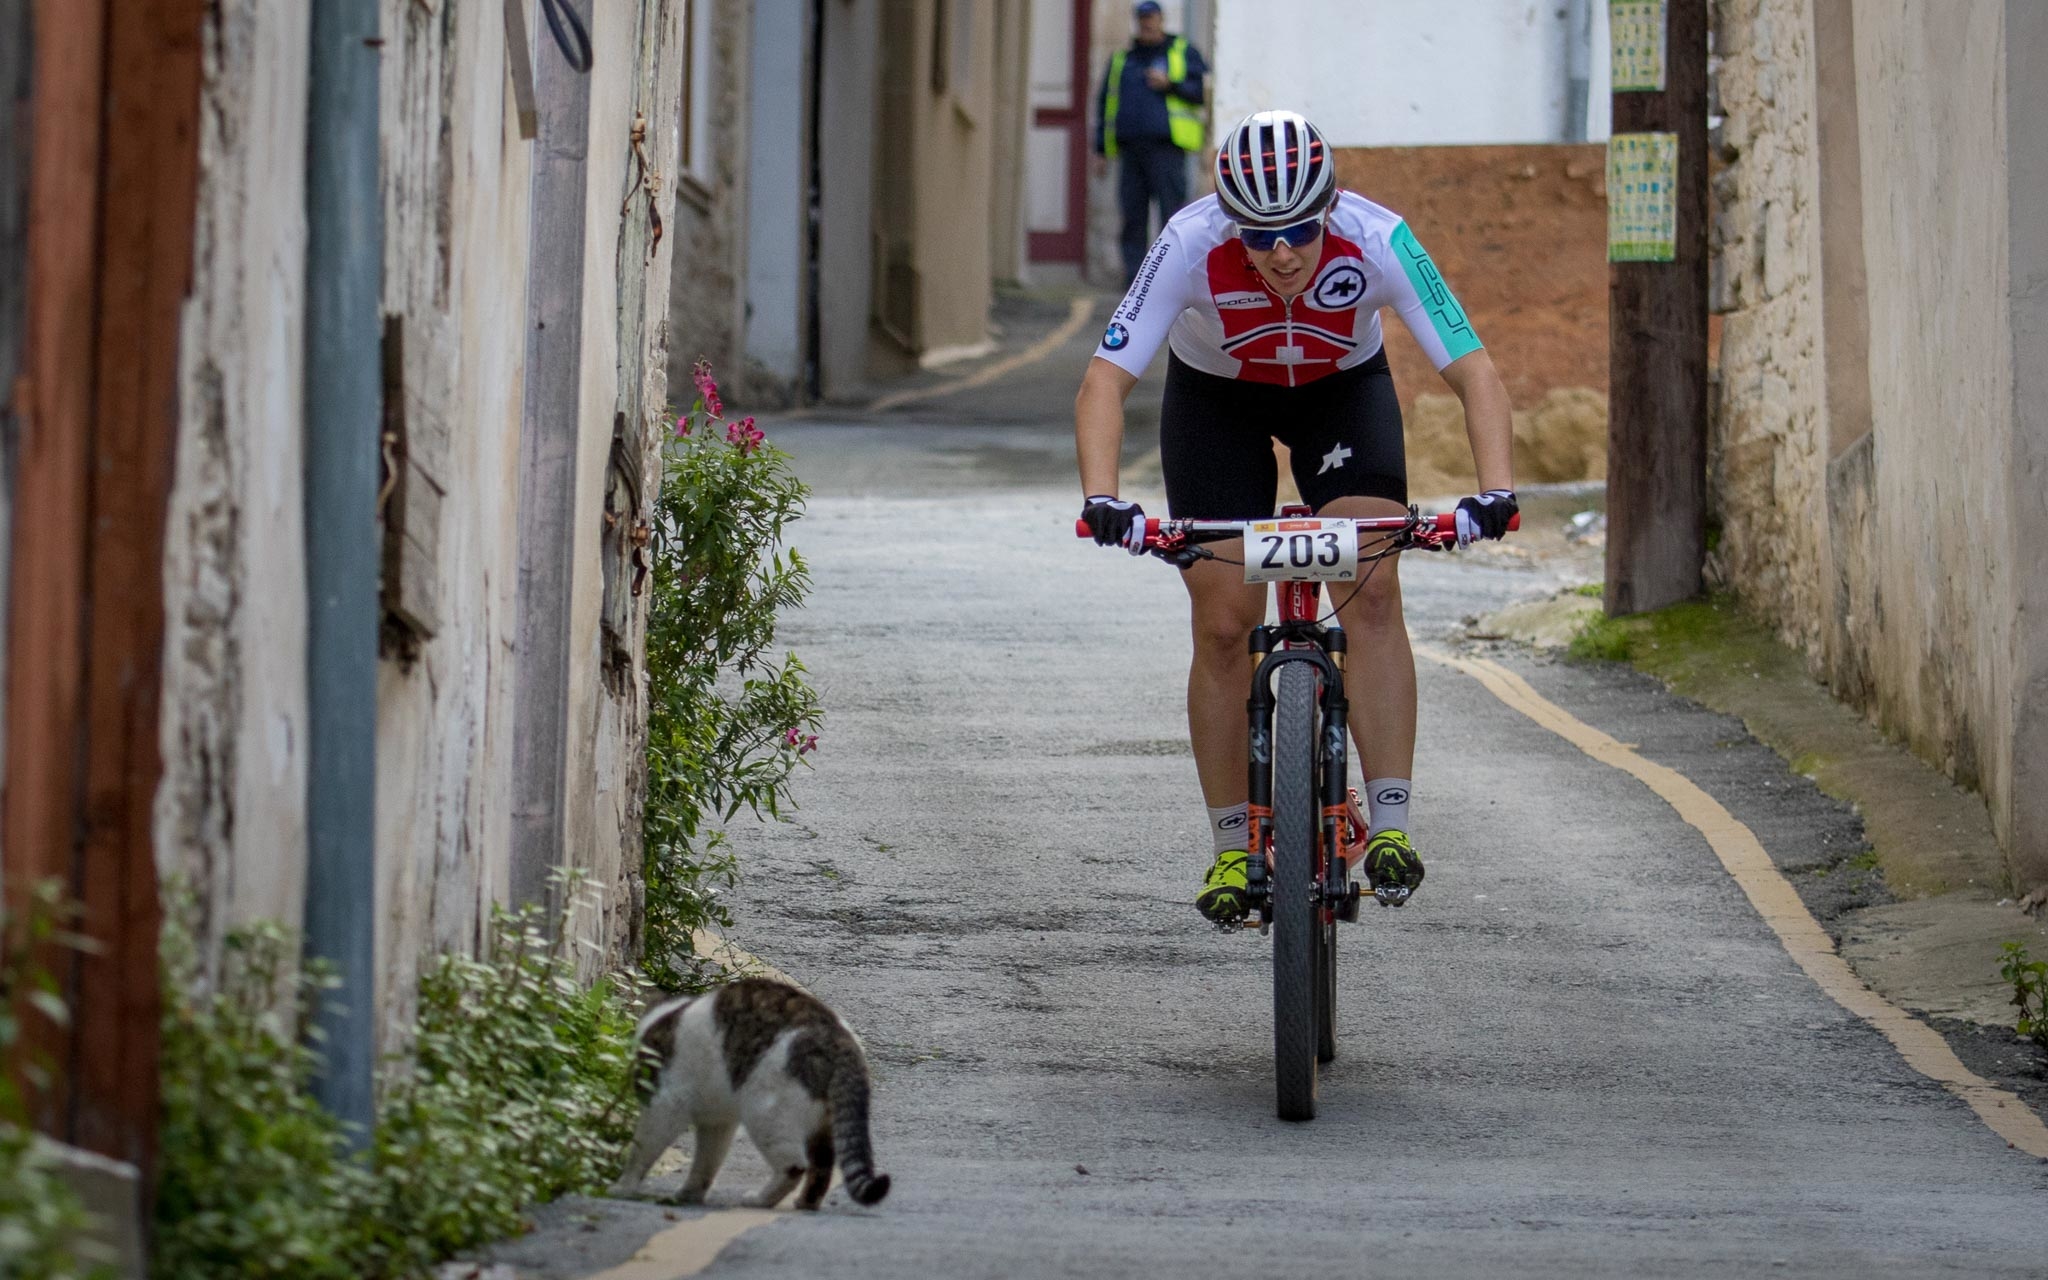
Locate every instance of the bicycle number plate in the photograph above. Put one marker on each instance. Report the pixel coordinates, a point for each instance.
(1301, 551)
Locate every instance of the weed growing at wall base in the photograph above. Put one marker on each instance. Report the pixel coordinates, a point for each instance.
(2029, 979)
(42, 1224)
(728, 722)
(514, 1091)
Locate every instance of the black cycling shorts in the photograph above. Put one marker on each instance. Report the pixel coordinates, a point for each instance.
(1216, 440)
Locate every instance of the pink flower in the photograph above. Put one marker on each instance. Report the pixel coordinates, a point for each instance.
(810, 745)
(793, 736)
(707, 388)
(744, 435)
(803, 742)
(682, 425)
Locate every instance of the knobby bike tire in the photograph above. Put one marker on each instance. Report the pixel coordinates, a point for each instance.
(1297, 928)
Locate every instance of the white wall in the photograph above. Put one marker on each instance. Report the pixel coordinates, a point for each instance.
(1403, 73)
(775, 197)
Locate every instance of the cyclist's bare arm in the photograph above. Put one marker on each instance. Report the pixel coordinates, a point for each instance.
(1489, 419)
(1099, 425)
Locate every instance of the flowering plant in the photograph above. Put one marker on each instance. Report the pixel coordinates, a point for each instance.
(728, 721)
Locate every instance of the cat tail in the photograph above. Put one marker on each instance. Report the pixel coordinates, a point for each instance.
(849, 1098)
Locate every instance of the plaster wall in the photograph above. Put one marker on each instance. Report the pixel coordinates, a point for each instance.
(1931, 86)
(778, 91)
(230, 808)
(458, 184)
(1404, 73)
(625, 378)
(2026, 46)
(455, 273)
(955, 140)
(851, 48)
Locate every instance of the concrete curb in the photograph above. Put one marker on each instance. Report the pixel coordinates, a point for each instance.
(1935, 952)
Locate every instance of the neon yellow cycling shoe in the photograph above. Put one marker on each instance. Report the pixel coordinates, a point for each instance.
(1225, 897)
(1392, 867)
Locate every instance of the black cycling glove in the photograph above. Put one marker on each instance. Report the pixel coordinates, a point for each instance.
(1115, 523)
(1485, 515)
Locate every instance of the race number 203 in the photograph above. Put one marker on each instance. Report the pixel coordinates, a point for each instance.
(1301, 551)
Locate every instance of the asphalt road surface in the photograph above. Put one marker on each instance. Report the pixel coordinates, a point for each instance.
(1579, 1051)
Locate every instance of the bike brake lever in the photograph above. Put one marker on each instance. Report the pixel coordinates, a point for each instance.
(1183, 557)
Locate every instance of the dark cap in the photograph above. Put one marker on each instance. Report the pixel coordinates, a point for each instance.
(1146, 9)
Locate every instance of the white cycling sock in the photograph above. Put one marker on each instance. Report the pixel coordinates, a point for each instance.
(1387, 800)
(1226, 827)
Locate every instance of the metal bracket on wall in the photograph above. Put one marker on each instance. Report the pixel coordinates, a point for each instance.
(519, 56)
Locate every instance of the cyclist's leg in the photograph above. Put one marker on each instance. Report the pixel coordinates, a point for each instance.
(1215, 467)
(1223, 611)
(1379, 675)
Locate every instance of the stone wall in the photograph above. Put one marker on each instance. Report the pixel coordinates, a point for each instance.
(1767, 450)
(1869, 442)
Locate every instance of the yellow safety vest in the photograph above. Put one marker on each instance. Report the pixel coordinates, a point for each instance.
(1183, 121)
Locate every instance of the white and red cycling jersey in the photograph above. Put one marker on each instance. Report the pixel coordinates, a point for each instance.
(1199, 291)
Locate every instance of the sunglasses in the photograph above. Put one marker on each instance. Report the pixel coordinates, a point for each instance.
(1298, 236)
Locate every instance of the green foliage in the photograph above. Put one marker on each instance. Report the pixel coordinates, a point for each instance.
(516, 1097)
(512, 1093)
(255, 1178)
(728, 721)
(2029, 979)
(1592, 590)
(42, 1224)
(1604, 639)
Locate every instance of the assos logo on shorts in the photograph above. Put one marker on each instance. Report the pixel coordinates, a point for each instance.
(1115, 337)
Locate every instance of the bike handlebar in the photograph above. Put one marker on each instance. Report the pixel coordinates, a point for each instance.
(1445, 524)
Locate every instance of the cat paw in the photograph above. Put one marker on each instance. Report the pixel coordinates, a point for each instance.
(687, 1196)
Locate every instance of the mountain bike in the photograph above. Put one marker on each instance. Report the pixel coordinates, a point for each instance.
(1306, 831)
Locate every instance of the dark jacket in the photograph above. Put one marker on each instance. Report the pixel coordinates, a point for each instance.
(1141, 109)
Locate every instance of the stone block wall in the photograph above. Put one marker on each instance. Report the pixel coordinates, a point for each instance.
(1767, 451)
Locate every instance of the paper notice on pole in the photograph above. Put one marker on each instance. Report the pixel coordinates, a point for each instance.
(1636, 38)
(1642, 204)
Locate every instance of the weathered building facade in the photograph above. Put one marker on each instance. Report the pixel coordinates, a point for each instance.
(1879, 457)
(856, 188)
(509, 231)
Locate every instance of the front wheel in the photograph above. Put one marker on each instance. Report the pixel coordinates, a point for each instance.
(1299, 955)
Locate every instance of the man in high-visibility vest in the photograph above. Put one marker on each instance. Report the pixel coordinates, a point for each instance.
(1149, 116)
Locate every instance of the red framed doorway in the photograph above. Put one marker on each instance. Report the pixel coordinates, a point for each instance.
(1057, 151)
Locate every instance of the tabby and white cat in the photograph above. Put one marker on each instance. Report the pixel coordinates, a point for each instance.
(760, 1053)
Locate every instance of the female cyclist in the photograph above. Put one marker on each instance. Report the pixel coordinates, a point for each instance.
(1268, 295)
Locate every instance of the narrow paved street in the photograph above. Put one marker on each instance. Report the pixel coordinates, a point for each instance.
(1579, 1052)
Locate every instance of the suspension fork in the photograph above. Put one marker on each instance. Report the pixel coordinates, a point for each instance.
(1332, 796)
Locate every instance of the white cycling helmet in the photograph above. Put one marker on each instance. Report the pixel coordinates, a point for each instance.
(1274, 170)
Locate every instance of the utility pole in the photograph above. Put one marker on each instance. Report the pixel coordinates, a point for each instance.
(1657, 305)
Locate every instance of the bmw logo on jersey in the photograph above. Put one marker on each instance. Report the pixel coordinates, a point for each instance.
(1116, 337)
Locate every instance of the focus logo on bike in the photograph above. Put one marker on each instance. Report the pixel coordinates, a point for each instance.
(1301, 551)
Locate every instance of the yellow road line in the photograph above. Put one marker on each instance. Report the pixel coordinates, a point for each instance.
(688, 1247)
(1777, 902)
(1078, 311)
(713, 946)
